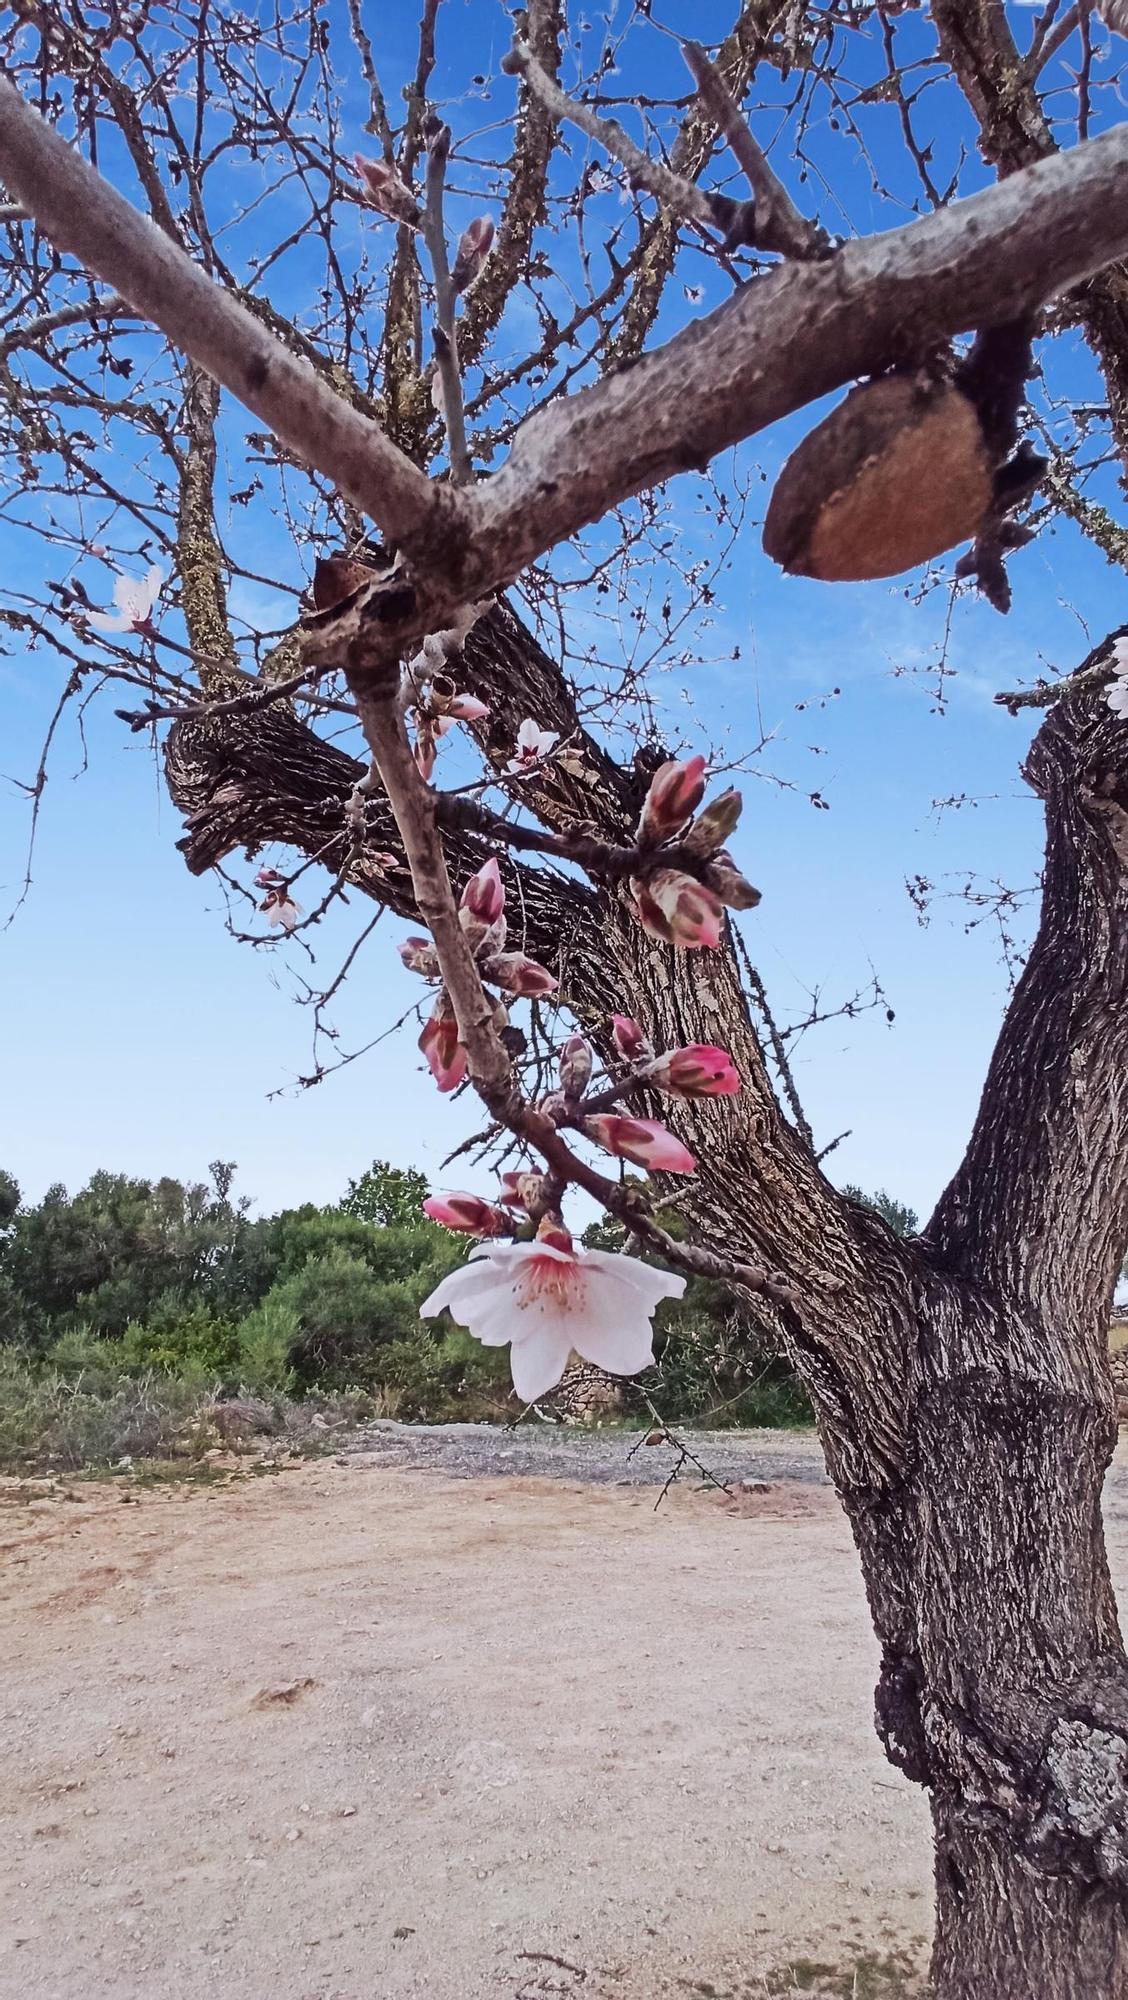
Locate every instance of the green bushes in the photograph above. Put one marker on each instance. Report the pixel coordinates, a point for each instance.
(125, 1309)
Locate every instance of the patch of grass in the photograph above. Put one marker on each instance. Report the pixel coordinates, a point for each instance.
(890, 1975)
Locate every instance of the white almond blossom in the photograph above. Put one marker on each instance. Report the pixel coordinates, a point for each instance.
(547, 1302)
(134, 602)
(533, 746)
(1116, 695)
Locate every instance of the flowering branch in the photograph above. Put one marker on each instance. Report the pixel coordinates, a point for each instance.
(488, 1064)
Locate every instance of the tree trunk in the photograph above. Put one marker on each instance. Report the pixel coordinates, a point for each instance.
(1007, 1931)
(1004, 1687)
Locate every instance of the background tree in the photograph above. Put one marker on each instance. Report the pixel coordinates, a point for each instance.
(960, 1379)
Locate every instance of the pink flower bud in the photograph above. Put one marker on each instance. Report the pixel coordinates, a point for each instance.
(473, 249)
(642, 1140)
(419, 955)
(384, 191)
(269, 878)
(467, 1213)
(674, 907)
(676, 791)
(446, 1057)
(575, 1067)
(700, 1070)
(467, 708)
(715, 823)
(629, 1038)
(518, 974)
(484, 894)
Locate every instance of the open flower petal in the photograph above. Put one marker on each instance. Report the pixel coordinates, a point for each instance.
(547, 1301)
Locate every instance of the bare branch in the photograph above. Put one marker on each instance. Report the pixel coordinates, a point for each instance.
(779, 224)
(683, 197)
(446, 331)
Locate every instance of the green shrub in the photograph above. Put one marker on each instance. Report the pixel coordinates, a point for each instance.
(182, 1338)
(266, 1339)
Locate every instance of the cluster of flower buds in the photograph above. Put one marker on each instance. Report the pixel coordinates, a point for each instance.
(481, 914)
(383, 190)
(277, 906)
(474, 246)
(699, 1070)
(671, 904)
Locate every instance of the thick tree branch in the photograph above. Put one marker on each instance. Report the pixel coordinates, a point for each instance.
(799, 332)
(1039, 1208)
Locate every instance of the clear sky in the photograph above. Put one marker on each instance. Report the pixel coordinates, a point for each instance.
(139, 1036)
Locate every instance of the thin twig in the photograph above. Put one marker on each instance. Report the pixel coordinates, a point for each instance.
(779, 224)
(446, 331)
(683, 197)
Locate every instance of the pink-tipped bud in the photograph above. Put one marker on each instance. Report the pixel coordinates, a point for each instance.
(575, 1067)
(682, 912)
(384, 191)
(419, 955)
(676, 791)
(629, 1038)
(467, 1213)
(467, 708)
(484, 894)
(269, 878)
(700, 1070)
(642, 1140)
(446, 1057)
(725, 879)
(523, 1190)
(518, 974)
(473, 248)
(715, 823)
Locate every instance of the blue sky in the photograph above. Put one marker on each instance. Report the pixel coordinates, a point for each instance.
(140, 1036)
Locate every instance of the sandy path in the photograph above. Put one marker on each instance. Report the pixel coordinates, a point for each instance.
(541, 1719)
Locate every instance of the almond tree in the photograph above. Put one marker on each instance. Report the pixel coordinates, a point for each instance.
(173, 179)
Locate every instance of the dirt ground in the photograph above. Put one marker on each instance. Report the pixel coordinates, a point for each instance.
(358, 1730)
